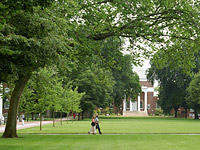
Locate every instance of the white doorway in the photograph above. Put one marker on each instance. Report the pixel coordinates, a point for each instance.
(134, 106)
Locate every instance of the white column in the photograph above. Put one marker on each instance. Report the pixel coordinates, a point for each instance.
(124, 105)
(138, 103)
(131, 105)
(145, 100)
(1, 105)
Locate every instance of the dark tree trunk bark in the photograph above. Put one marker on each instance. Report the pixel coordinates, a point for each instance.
(27, 117)
(10, 130)
(32, 115)
(196, 115)
(176, 111)
(186, 112)
(82, 117)
(53, 118)
(40, 121)
(67, 117)
(61, 118)
(79, 116)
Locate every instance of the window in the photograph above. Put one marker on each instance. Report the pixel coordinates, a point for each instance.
(127, 104)
(141, 104)
(148, 106)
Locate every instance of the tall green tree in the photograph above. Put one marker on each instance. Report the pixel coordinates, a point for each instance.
(97, 83)
(30, 40)
(193, 98)
(121, 66)
(173, 85)
(27, 101)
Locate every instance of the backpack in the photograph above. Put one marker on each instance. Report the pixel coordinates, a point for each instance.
(93, 123)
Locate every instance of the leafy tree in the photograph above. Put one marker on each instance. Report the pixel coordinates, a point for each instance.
(127, 82)
(42, 82)
(54, 92)
(26, 104)
(71, 100)
(27, 46)
(97, 84)
(173, 85)
(193, 98)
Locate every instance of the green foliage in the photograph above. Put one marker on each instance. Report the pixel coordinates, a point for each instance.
(106, 110)
(97, 84)
(27, 100)
(45, 92)
(98, 111)
(159, 112)
(127, 82)
(193, 98)
(173, 83)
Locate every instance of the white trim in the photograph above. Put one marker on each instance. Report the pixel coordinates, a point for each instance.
(138, 103)
(1, 106)
(145, 100)
(143, 79)
(131, 106)
(124, 105)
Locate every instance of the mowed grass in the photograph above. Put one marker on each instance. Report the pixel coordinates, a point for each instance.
(121, 125)
(119, 133)
(102, 142)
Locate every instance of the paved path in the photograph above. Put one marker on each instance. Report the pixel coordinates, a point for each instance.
(29, 124)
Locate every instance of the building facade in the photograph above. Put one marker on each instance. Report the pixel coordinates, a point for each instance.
(146, 102)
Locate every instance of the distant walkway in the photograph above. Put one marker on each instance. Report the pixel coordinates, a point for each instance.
(31, 124)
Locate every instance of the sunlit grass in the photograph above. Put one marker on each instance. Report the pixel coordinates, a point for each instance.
(102, 142)
(124, 125)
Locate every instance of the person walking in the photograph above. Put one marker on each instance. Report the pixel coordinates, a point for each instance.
(22, 118)
(74, 116)
(93, 126)
(97, 124)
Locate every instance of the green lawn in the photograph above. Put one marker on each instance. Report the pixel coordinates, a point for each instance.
(138, 135)
(125, 125)
(102, 142)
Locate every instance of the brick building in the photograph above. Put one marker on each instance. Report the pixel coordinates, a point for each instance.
(146, 102)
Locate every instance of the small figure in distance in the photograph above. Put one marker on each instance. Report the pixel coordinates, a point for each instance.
(97, 124)
(93, 127)
(22, 118)
(74, 116)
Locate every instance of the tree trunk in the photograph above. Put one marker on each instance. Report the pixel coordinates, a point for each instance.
(67, 118)
(27, 117)
(82, 115)
(196, 115)
(40, 121)
(53, 118)
(32, 115)
(185, 112)
(10, 130)
(61, 118)
(79, 116)
(176, 111)
(72, 117)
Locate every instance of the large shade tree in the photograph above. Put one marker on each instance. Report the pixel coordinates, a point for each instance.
(173, 85)
(36, 33)
(193, 98)
(121, 65)
(173, 82)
